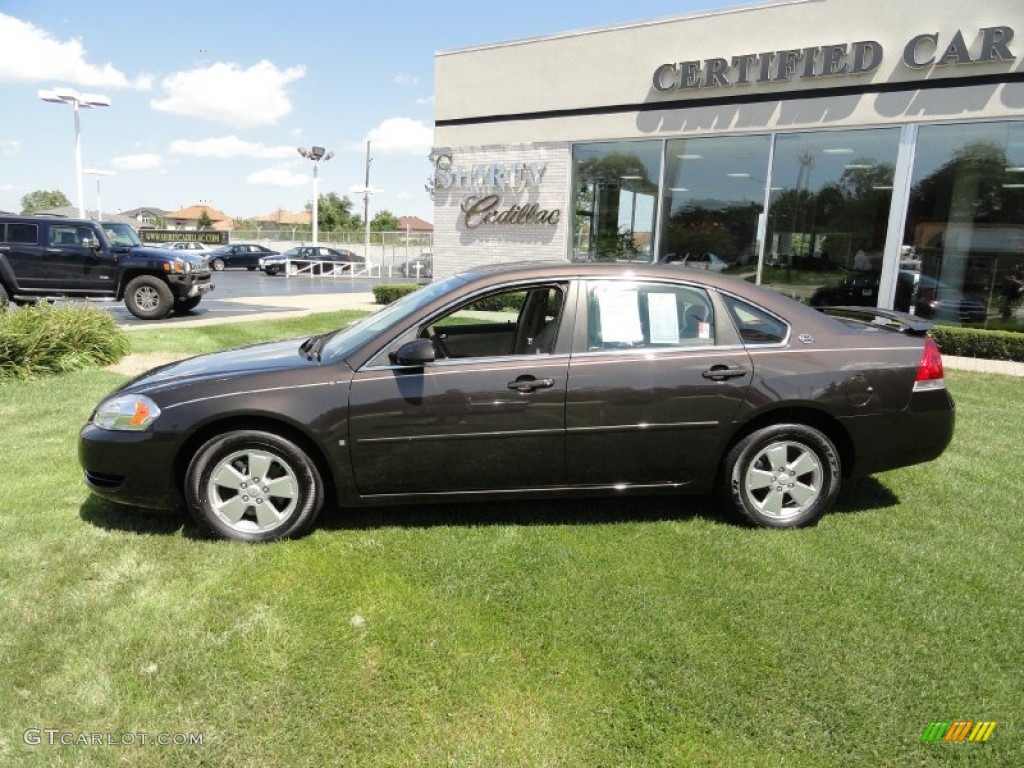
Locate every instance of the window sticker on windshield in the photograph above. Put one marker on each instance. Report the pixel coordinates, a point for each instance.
(620, 317)
(664, 318)
(704, 330)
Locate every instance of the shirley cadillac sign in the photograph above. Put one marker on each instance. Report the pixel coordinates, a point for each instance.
(485, 185)
(924, 51)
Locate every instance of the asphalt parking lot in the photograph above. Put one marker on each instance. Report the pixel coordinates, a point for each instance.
(240, 294)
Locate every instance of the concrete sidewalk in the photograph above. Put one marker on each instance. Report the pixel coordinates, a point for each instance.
(307, 304)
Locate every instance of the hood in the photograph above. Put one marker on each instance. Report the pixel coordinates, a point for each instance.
(256, 358)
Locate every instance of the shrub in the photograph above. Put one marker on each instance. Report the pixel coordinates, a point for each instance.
(385, 294)
(976, 342)
(43, 339)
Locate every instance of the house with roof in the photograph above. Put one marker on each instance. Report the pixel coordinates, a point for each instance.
(414, 225)
(146, 217)
(188, 218)
(281, 219)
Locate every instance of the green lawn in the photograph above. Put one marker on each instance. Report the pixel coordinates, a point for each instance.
(623, 632)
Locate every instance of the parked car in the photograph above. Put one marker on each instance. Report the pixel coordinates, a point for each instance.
(187, 245)
(44, 257)
(315, 259)
(420, 266)
(530, 380)
(934, 299)
(707, 260)
(239, 255)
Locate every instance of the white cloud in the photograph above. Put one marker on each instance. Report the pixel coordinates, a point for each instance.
(32, 54)
(142, 162)
(404, 195)
(404, 79)
(277, 176)
(402, 136)
(225, 93)
(229, 146)
(10, 146)
(425, 100)
(6, 187)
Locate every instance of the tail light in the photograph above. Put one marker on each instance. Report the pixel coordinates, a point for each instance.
(929, 372)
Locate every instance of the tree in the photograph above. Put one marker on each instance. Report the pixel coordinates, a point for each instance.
(42, 199)
(384, 221)
(204, 222)
(334, 213)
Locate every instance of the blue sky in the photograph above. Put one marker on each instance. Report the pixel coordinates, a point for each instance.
(210, 100)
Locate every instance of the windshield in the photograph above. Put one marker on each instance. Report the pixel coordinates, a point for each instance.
(121, 234)
(347, 339)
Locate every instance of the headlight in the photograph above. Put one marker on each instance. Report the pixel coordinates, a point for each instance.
(126, 412)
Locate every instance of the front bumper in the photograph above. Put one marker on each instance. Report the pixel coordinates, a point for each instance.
(134, 468)
(189, 286)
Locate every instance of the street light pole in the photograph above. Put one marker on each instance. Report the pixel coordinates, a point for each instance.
(315, 155)
(99, 200)
(77, 101)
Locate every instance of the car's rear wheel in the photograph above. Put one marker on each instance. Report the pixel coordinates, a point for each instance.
(781, 476)
(272, 270)
(4, 298)
(187, 305)
(253, 486)
(217, 265)
(148, 298)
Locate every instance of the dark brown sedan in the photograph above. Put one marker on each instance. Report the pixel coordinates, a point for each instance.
(540, 380)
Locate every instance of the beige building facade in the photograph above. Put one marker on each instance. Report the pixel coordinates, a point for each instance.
(808, 145)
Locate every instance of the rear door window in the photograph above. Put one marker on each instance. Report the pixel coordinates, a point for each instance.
(26, 234)
(630, 315)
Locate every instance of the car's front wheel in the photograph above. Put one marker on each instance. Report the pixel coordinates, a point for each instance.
(253, 486)
(271, 270)
(781, 476)
(148, 298)
(217, 265)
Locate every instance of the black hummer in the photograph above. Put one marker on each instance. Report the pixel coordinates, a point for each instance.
(43, 257)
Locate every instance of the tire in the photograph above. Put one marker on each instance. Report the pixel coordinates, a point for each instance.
(217, 265)
(251, 269)
(285, 505)
(5, 299)
(148, 298)
(186, 305)
(272, 270)
(781, 476)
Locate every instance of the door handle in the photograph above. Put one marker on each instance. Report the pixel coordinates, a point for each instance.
(526, 384)
(723, 372)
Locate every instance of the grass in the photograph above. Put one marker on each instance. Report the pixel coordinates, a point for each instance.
(637, 631)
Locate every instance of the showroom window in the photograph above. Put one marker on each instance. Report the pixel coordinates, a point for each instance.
(829, 209)
(964, 236)
(615, 192)
(712, 201)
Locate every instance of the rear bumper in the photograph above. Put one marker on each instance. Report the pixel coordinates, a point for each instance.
(919, 433)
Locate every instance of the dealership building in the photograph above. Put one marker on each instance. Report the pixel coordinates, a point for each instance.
(798, 143)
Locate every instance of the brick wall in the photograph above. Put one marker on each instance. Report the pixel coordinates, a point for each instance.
(499, 170)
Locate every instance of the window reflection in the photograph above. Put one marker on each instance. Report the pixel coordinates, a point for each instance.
(712, 201)
(828, 213)
(616, 185)
(965, 223)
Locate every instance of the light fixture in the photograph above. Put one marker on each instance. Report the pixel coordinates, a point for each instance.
(77, 101)
(1013, 186)
(316, 155)
(631, 177)
(838, 151)
(1014, 169)
(738, 175)
(97, 172)
(678, 189)
(690, 157)
(859, 166)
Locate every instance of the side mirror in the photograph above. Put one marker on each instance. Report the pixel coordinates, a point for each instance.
(414, 353)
